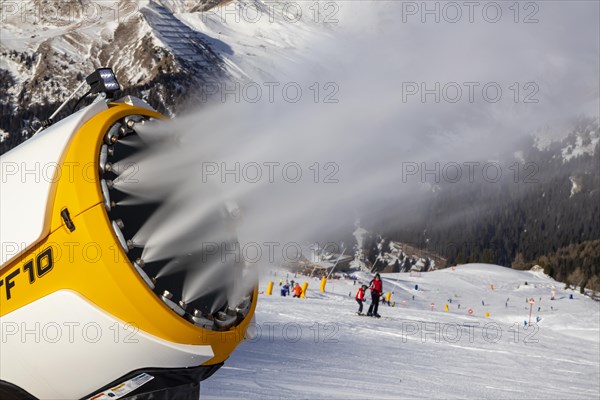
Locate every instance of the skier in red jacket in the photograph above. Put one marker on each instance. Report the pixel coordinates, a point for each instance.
(360, 297)
(376, 287)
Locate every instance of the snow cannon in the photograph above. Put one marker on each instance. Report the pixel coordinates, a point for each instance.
(82, 314)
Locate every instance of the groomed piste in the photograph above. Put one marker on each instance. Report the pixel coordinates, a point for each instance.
(317, 347)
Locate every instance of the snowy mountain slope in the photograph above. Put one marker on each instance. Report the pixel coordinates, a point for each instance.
(317, 348)
(580, 143)
(264, 38)
(186, 43)
(46, 48)
(169, 52)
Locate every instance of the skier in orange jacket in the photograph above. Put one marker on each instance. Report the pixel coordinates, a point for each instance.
(297, 290)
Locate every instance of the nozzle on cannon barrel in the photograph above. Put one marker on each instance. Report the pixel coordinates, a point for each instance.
(167, 299)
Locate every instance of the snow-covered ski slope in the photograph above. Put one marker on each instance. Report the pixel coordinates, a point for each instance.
(317, 348)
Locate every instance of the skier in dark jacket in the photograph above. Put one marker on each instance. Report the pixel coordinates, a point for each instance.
(360, 297)
(376, 287)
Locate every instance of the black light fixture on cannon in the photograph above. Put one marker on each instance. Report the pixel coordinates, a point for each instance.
(103, 80)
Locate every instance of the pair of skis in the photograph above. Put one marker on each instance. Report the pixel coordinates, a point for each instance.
(366, 315)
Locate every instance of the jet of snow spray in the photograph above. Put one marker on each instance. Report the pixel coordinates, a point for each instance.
(309, 167)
